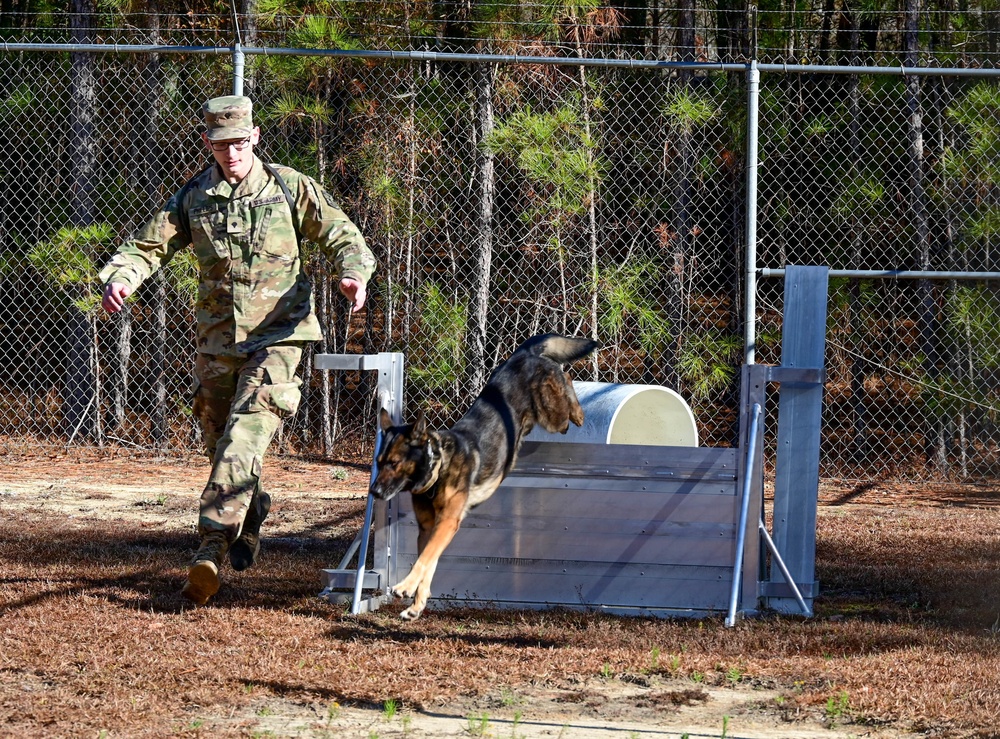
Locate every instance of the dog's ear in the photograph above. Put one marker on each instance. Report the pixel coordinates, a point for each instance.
(384, 419)
(419, 425)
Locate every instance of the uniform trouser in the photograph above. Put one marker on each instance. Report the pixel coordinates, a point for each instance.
(240, 402)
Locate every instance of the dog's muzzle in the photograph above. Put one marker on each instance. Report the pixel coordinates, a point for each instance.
(386, 489)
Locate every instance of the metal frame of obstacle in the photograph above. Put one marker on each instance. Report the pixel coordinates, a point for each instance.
(631, 529)
(389, 366)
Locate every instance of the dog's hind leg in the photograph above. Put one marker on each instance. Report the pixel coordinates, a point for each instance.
(433, 540)
(556, 401)
(575, 409)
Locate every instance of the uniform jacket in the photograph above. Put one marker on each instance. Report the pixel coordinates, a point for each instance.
(253, 290)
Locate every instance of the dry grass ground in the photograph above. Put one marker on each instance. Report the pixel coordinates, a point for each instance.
(95, 640)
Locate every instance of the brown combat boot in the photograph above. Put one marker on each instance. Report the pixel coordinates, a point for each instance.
(203, 576)
(244, 551)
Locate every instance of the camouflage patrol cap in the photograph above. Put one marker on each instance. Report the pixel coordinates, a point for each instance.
(228, 117)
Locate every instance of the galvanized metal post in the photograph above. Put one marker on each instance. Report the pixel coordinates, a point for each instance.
(800, 407)
(239, 60)
(750, 281)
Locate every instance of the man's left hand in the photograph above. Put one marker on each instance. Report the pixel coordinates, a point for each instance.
(355, 292)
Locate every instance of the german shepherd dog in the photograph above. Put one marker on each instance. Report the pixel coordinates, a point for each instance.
(450, 472)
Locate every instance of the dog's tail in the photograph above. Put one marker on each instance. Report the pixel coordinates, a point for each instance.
(558, 348)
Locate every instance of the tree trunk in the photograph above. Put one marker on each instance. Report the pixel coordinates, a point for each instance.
(591, 208)
(919, 214)
(329, 327)
(683, 198)
(733, 37)
(83, 144)
(80, 411)
(152, 174)
(159, 424)
(734, 45)
(80, 389)
(409, 301)
(962, 353)
(860, 442)
(118, 383)
(248, 29)
(636, 29)
(480, 288)
(826, 33)
(686, 33)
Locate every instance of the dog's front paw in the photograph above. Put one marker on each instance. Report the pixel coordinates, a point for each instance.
(411, 614)
(405, 589)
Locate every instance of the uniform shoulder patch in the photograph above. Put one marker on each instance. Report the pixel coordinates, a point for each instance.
(330, 200)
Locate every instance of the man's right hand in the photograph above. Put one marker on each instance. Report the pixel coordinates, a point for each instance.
(114, 296)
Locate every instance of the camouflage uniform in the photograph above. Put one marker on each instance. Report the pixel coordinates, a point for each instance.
(255, 305)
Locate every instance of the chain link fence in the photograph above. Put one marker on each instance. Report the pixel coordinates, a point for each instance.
(889, 172)
(505, 198)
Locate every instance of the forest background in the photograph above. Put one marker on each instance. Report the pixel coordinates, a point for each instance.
(517, 167)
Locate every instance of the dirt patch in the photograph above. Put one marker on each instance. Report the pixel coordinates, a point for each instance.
(592, 709)
(95, 637)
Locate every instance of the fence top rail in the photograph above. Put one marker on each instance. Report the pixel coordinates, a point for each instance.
(421, 56)
(895, 70)
(368, 54)
(892, 274)
(17, 48)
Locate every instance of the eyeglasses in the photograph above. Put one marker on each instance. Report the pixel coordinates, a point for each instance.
(224, 145)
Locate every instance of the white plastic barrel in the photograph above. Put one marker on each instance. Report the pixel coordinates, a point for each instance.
(628, 414)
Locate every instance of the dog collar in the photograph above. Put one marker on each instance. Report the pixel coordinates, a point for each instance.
(429, 488)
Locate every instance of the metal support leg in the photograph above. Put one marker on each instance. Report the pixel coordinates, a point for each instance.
(776, 556)
(741, 531)
(351, 551)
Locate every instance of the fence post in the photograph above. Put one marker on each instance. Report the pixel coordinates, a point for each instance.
(239, 59)
(800, 410)
(750, 283)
